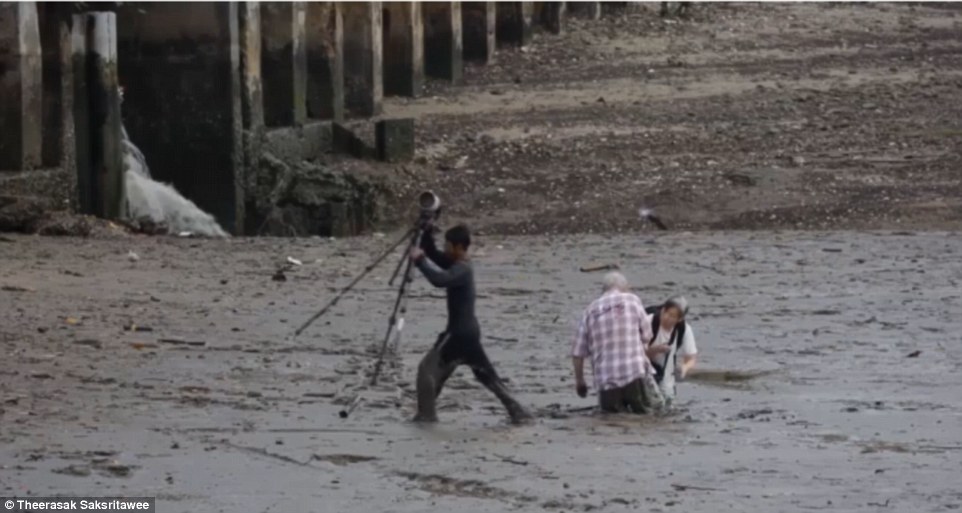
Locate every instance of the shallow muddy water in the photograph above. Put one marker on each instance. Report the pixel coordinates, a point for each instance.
(829, 377)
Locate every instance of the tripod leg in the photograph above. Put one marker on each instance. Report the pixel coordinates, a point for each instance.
(402, 292)
(354, 282)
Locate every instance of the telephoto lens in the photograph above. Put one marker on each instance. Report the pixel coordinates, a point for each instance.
(429, 202)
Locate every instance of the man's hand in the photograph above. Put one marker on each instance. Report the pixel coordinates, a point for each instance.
(582, 389)
(416, 254)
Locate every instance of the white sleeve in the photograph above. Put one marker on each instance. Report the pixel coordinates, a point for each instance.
(688, 347)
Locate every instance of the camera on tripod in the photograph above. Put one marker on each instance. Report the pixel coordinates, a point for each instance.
(430, 205)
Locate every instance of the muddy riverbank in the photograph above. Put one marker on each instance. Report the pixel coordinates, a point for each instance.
(155, 366)
(746, 116)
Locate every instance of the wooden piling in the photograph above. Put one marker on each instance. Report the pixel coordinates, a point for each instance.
(97, 115)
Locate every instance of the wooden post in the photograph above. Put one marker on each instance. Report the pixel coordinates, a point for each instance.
(403, 48)
(284, 63)
(514, 23)
(252, 99)
(325, 61)
(81, 115)
(478, 20)
(443, 52)
(552, 16)
(363, 57)
(21, 79)
(103, 94)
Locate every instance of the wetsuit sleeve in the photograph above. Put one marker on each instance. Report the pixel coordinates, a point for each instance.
(454, 276)
(431, 250)
(582, 345)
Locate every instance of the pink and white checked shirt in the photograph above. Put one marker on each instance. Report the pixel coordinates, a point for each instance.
(611, 332)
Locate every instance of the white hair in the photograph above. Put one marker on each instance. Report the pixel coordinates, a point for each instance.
(615, 280)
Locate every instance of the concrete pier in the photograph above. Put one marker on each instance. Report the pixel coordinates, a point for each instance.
(478, 22)
(514, 23)
(325, 61)
(284, 63)
(363, 58)
(21, 87)
(182, 104)
(403, 29)
(443, 54)
(211, 90)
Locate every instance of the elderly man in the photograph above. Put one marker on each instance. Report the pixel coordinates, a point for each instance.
(612, 332)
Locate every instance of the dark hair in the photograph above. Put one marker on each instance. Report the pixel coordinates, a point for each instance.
(459, 236)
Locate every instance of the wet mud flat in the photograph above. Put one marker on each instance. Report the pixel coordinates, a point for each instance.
(829, 380)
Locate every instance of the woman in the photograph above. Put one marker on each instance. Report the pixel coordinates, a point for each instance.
(673, 337)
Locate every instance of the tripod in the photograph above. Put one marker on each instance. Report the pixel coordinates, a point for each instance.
(400, 303)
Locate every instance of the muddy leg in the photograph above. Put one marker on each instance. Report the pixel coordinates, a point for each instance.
(431, 377)
(445, 369)
(635, 398)
(653, 400)
(485, 373)
(612, 400)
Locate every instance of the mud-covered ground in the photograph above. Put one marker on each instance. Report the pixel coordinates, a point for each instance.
(826, 116)
(830, 377)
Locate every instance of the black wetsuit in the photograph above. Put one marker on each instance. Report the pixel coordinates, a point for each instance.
(460, 343)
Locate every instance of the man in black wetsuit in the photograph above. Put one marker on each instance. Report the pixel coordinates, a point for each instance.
(460, 343)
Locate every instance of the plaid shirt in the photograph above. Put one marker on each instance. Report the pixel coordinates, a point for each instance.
(611, 332)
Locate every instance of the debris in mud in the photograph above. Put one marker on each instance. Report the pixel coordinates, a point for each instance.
(682, 488)
(16, 288)
(342, 460)
(753, 414)
(599, 267)
(137, 328)
(182, 342)
(914, 354)
(90, 342)
(74, 470)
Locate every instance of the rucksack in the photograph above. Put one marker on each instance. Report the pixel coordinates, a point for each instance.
(677, 335)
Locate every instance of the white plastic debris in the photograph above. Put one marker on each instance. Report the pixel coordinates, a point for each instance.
(294, 261)
(133, 257)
